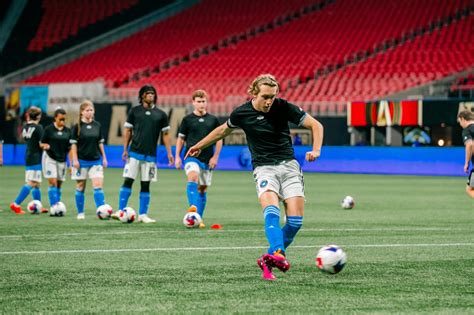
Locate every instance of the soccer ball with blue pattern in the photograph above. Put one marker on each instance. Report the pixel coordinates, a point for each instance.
(331, 259)
(127, 215)
(34, 206)
(104, 212)
(58, 209)
(191, 219)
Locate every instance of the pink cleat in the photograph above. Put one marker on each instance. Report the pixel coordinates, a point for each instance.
(16, 208)
(267, 270)
(278, 260)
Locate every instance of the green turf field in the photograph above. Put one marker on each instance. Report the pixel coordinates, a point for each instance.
(409, 241)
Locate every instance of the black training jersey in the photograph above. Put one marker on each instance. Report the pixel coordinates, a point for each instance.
(468, 134)
(32, 134)
(193, 128)
(88, 140)
(146, 124)
(268, 134)
(58, 141)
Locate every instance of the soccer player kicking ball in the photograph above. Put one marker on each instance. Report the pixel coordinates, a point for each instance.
(143, 127)
(278, 175)
(193, 128)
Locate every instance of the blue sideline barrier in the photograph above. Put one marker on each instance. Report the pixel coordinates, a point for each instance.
(366, 160)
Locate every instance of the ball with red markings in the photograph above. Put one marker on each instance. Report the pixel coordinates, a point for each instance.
(331, 259)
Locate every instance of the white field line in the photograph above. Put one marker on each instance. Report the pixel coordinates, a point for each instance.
(232, 248)
(107, 233)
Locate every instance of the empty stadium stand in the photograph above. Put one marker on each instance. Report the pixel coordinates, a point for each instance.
(323, 51)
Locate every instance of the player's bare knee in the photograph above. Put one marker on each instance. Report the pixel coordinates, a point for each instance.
(80, 185)
(202, 189)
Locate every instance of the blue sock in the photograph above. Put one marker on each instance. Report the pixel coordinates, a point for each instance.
(36, 193)
(202, 203)
(80, 201)
(192, 192)
(53, 195)
(124, 194)
(292, 226)
(60, 193)
(24, 192)
(99, 197)
(144, 202)
(272, 228)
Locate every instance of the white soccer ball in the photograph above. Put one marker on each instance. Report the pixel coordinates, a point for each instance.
(58, 209)
(34, 206)
(331, 259)
(127, 215)
(192, 219)
(104, 212)
(348, 202)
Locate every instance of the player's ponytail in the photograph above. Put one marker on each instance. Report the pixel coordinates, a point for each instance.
(84, 105)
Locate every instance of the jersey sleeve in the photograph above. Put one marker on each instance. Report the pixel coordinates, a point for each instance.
(73, 139)
(295, 113)
(130, 119)
(165, 125)
(70, 137)
(234, 119)
(45, 138)
(183, 129)
(466, 135)
(101, 133)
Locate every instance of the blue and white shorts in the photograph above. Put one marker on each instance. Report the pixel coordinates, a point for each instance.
(53, 168)
(202, 169)
(88, 169)
(33, 173)
(285, 179)
(146, 165)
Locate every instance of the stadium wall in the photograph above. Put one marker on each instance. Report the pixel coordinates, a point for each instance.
(367, 160)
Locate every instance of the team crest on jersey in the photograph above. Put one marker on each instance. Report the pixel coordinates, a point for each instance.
(60, 133)
(147, 113)
(201, 120)
(89, 127)
(263, 183)
(260, 117)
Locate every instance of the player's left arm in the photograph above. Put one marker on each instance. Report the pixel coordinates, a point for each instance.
(105, 163)
(215, 158)
(167, 142)
(1, 152)
(469, 150)
(317, 131)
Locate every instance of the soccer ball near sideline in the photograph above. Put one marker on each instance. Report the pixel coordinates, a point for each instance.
(191, 219)
(127, 215)
(348, 202)
(58, 209)
(34, 207)
(104, 212)
(331, 259)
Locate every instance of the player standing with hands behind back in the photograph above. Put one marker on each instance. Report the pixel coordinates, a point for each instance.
(277, 174)
(193, 128)
(143, 127)
(87, 148)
